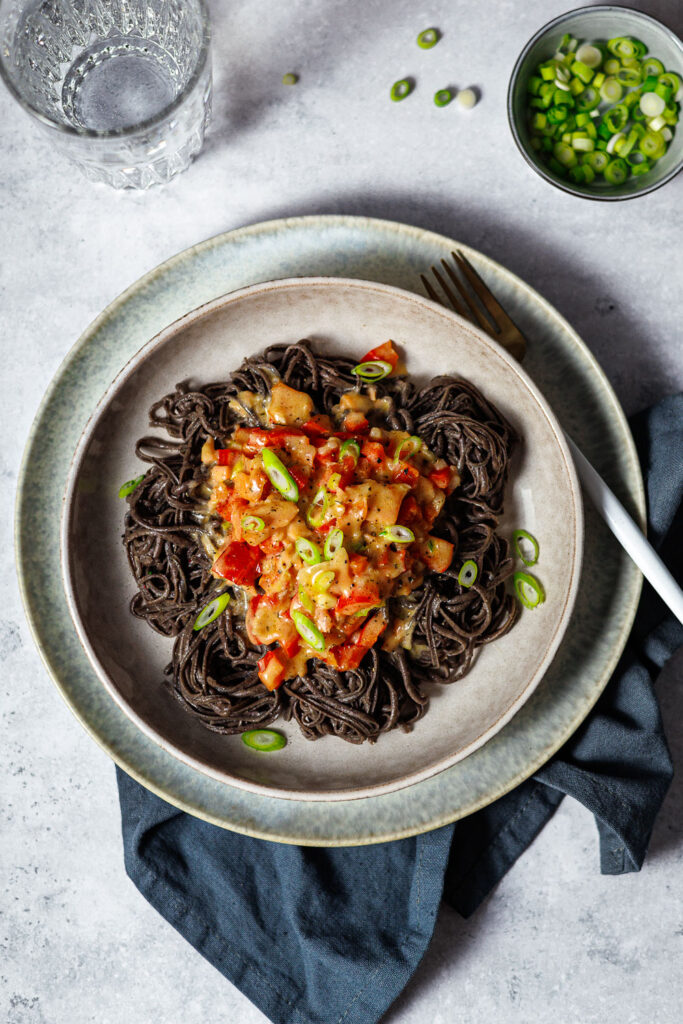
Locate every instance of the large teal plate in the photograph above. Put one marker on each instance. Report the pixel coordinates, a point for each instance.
(373, 250)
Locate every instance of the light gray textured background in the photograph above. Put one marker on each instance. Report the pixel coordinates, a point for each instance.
(556, 941)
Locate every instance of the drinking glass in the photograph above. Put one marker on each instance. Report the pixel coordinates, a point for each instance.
(122, 87)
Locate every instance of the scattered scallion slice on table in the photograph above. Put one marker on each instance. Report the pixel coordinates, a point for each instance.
(599, 102)
(129, 486)
(264, 740)
(401, 89)
(290, 78)
(442, 97)
(467, 98)
(211, 611)
(427, 38)
(529, 589)
(467, 576)
(279, 476)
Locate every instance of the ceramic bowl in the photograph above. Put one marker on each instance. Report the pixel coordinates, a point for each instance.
(341, 317)
(594, 24)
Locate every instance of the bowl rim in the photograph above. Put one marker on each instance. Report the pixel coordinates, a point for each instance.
(170, 746)
(542, 173)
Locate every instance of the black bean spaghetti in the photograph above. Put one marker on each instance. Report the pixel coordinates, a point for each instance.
(214, 671)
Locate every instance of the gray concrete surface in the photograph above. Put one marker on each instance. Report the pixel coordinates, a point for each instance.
(556, 942)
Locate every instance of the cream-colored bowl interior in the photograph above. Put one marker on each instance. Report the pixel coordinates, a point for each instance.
(341, 317)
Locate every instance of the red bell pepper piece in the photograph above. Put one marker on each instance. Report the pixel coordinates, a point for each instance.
(238, 563)
(291, 644)
(227, 456)
(385, 352)
(359, 599)
(348, 656)
(358, 564)
(299, 475)
(355, 423)
(372, 630)
(405, 474)
(374, 452)
(441, 478)
(272, 667)
(410, 511)
(275, 437)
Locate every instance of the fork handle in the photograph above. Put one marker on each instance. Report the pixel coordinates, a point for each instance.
(628, 533)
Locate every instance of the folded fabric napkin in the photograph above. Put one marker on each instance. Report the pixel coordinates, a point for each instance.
(292, 927)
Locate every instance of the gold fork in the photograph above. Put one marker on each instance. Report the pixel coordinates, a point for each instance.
(472, 299)
(487, 312)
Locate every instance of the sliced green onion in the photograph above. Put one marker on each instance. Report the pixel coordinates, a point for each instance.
(264, 740)
(652, 145)
(621, 46)
(428, 38)
(334, 543)
(401, 89)
(467, 576)
(397, 534)
(611, 90)
(306, 601)
(211, 611)
(307, 551)
(522, 535)
(334, 482)
(616, 172)
(652, 66)
(651, 104)
(130, 485)
(529, 589)
(408, 447)
(467, 98)
(322, 581)
(442, 97)
(279, 476)
(308, 631)
(670, 79)
(315, 512)
(589, 55)
(350, 449)
(253, 523)
(588, 100)
(290, 78)
(629, 77)
(375, 369)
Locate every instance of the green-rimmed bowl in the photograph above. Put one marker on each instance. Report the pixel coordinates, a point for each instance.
(589, 24)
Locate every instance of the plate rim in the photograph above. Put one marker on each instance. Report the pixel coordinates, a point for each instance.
(387, 228)
(196, 316)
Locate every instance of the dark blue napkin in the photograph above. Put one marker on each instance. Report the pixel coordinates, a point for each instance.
(331, 936)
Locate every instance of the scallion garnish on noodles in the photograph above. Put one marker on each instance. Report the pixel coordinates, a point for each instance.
(468, 574)
(211, 611)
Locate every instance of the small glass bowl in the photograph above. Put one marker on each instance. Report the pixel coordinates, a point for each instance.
(587, 24)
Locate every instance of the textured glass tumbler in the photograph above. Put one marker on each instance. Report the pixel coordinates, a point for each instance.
(122, 87)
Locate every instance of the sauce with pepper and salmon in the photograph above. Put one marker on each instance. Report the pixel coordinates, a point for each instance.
(325, 523)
